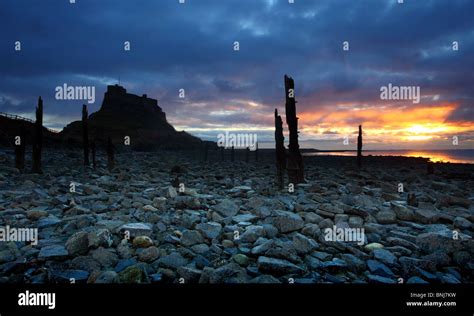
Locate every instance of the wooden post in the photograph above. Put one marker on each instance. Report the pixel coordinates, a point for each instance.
(110, 155)
(359, 147)
(85, 135)
(38, 138)
(94, 162)
(295, 160)
(280, 151)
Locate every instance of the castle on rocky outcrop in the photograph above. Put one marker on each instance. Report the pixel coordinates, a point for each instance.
(118, 101)
(139, 117)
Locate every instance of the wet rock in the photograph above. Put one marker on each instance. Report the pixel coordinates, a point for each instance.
(100, 238)
(441, 240)
(229, 273)
(379, 268)
(107, 277)
(448, 278)
(189, 275)
(136, 229)
(287, 222)
(149, 208)
(148, 254)
(402, 212)
(35, 215)
(241, 259)
(277, 266)
(200, 248)
(106, 257)
(160, 203)
(210, 230)
(249, 218)
(426, 216)
(226, 208)
(386, 217)
(124, 263)
(326, 223)
(49, 221)
(353, 263)
(132, 274)
(53, 252)
(384, 256)
(171, 192)
(372, 246)
(462, 223)
(335, 265)
(182, 202)
(411, 266)
(78, 244)
(85, 263)
(251, 234)
(455, 201)
(142, 242)
(172, 261)
(303, 244)
(191, 237)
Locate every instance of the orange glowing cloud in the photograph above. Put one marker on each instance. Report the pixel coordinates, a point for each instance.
(394, 124)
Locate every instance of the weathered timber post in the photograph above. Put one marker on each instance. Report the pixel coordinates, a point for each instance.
(20, 145)
(94, 162)
(110, 154)
(38, 138)
(85, 135)
(280, 151)
(295, 160)
(359, 147)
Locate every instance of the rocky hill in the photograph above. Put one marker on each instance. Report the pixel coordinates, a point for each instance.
(139, 117)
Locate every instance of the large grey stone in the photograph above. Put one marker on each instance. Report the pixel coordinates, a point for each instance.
(287, 222)
(277, 266)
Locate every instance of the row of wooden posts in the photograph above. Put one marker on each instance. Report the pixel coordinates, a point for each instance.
(232, 153)
(20, 144)
(290, 160)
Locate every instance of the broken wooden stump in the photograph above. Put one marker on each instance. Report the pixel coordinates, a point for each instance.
(295, 160)
(359, 147)
(38, 138)
(94, 162)
(85, 135)
(280, 151)
(110, 155)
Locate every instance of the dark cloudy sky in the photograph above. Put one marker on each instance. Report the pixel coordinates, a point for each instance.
(190, 46)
